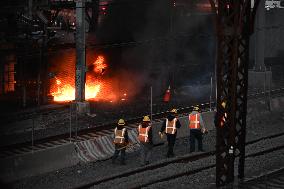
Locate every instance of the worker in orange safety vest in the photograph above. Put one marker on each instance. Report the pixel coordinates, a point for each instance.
(170, 126)
(197, 129)
(145, 137)
(120, 141)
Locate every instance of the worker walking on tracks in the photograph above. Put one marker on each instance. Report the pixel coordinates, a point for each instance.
(170, 126)
(197, 129)
(120, 141)
(145, 137)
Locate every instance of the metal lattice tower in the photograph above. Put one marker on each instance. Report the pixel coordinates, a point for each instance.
(233, 21)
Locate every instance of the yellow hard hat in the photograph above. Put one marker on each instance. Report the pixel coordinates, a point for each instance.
(146, 118)
(174, 111)
(121, 122)
(224, 104)
(196, 108)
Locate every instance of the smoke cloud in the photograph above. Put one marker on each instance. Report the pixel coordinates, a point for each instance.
(180, 53)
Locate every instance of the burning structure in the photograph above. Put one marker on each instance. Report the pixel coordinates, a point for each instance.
(148, 47)
(101, 84)
(94, 83)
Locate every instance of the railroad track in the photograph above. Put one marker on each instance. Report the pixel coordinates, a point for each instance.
(19, 116)
(183, 159)
(100, 130)
(272, 179)
(32, 113)
(83, 135)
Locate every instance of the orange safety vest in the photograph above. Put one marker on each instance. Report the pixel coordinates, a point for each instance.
(171, 126)
(194, 121)
(143, 133)
(119, 136)
(223, 120)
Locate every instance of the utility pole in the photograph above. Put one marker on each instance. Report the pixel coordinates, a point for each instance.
(30, 13)
(234, 20)
(171, 59)
(232, 77)
(260, 37)
(80, 75)
(41, 80)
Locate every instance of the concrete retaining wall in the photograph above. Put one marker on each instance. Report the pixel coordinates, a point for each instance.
(277, 104)
(18, 167)
(102, 148)
(257, 79)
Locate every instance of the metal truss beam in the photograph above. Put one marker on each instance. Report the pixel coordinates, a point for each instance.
(233, 19)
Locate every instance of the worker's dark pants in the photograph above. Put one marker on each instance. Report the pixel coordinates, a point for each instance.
(116, 153)
(145, 153)
(171, 142)
(195, 134)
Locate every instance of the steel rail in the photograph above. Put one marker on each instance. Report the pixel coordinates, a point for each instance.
(191, 172)
(112, 125)
(262, 177)
(183, 159)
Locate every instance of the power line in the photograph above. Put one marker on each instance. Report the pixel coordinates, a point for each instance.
(127, 44)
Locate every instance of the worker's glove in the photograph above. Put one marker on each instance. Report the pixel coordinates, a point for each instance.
(204, 130)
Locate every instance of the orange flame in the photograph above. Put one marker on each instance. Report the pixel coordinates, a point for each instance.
(99, 64)
(58, 82)
(95, 88)
(67, 92)
(64, 93)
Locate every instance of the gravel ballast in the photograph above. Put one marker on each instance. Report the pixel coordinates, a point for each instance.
(259, 124)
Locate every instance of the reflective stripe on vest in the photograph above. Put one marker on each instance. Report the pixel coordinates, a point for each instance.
(119, 136)
(171, 126)
(194, 121)
(143, 133)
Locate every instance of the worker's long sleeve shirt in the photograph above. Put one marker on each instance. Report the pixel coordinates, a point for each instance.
(170, 118)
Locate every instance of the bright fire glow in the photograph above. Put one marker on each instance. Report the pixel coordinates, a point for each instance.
(67, 92)
(96, 87)
(58, 82)
(99, 65)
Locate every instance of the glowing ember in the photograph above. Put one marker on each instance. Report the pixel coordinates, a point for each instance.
(99, 65)
(58, 82)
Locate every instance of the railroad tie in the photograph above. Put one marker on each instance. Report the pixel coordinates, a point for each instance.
(94, 135)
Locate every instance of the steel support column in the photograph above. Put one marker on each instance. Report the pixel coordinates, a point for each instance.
(260, 37)
(80, 75)
(233, 19)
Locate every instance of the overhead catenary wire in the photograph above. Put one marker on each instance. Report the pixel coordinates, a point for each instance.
(123, 44)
